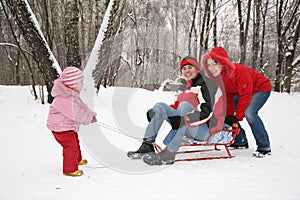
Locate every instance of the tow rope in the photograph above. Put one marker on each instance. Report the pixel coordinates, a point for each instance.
(116, 130)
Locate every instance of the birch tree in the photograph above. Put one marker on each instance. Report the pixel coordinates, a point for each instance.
(32, 35)
(106, 69)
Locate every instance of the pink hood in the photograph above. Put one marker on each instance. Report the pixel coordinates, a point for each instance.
(67, 110)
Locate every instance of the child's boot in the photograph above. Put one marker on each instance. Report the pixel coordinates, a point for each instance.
(83, 162)
(75, 173)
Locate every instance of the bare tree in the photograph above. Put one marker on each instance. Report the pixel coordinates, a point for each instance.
(285, 19)
(45, 13)
(71, 33)
(173, 19)
(290, 55)
(244, 27)
(262, 44)
(204, 33)
(20, 53)
(40, 51)
(215, 23)
(192, 26)
(106, 68)
(256, 32)
(90, 19)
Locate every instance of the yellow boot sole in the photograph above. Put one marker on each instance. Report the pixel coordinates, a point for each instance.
(75, 173)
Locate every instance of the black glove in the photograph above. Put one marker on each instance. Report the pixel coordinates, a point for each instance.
(176, 122)
(182, 84)
(150, 114)
(230, 120)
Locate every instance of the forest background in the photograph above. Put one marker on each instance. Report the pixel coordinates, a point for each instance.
(145, 40)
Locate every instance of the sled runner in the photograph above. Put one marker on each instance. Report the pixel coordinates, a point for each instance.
(215, 142)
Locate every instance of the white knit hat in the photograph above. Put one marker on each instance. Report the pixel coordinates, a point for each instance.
(70, 76)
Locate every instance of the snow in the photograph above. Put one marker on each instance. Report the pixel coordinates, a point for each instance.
(31, 160)
(296, 61)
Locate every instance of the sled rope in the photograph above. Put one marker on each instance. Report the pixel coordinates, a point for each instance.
(109, 127)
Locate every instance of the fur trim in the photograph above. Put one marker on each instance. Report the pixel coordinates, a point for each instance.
(220, 55)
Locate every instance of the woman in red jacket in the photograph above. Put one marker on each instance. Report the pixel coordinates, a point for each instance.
(252, 91)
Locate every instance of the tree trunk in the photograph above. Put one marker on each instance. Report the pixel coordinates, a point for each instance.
(256, 30)
(280, 52)
(192, 27)
(285, 18)
(47, 19)
(103, 69)
(290, 57)
(71, 33)
(243, 29)
(215, 24)
(262, 45)
(204, 24)
(41, 53)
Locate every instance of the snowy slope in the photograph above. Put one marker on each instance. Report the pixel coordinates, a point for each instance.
(31, 159)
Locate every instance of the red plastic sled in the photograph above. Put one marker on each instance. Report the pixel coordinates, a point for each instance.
(197, 148)
(200, 148)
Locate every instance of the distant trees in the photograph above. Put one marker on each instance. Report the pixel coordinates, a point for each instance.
(68, 31)
(40, 51)
(288, 28)
(252, 31)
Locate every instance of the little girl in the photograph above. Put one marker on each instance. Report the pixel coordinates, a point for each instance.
(67, 112)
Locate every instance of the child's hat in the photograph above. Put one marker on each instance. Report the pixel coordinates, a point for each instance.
(188, 60)
(70, 76)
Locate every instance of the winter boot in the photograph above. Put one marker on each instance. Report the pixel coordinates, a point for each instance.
(261, 153)
(145, 148)
(165, 157)
(83, 162)
(239, 146)
(75, 173)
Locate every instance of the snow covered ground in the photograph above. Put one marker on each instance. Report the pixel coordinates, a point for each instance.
(31, 161)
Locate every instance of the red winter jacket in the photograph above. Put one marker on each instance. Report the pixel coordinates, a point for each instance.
(238, 80)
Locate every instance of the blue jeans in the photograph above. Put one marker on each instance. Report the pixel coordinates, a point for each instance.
(254, 121)
(174, 138)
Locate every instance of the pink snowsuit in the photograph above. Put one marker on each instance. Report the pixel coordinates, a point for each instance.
(67, 112)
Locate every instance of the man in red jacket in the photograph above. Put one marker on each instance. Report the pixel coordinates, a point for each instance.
(252, 91)
(188, 116)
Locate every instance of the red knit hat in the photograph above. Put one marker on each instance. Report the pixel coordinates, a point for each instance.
(189, 61)
(70, 76)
